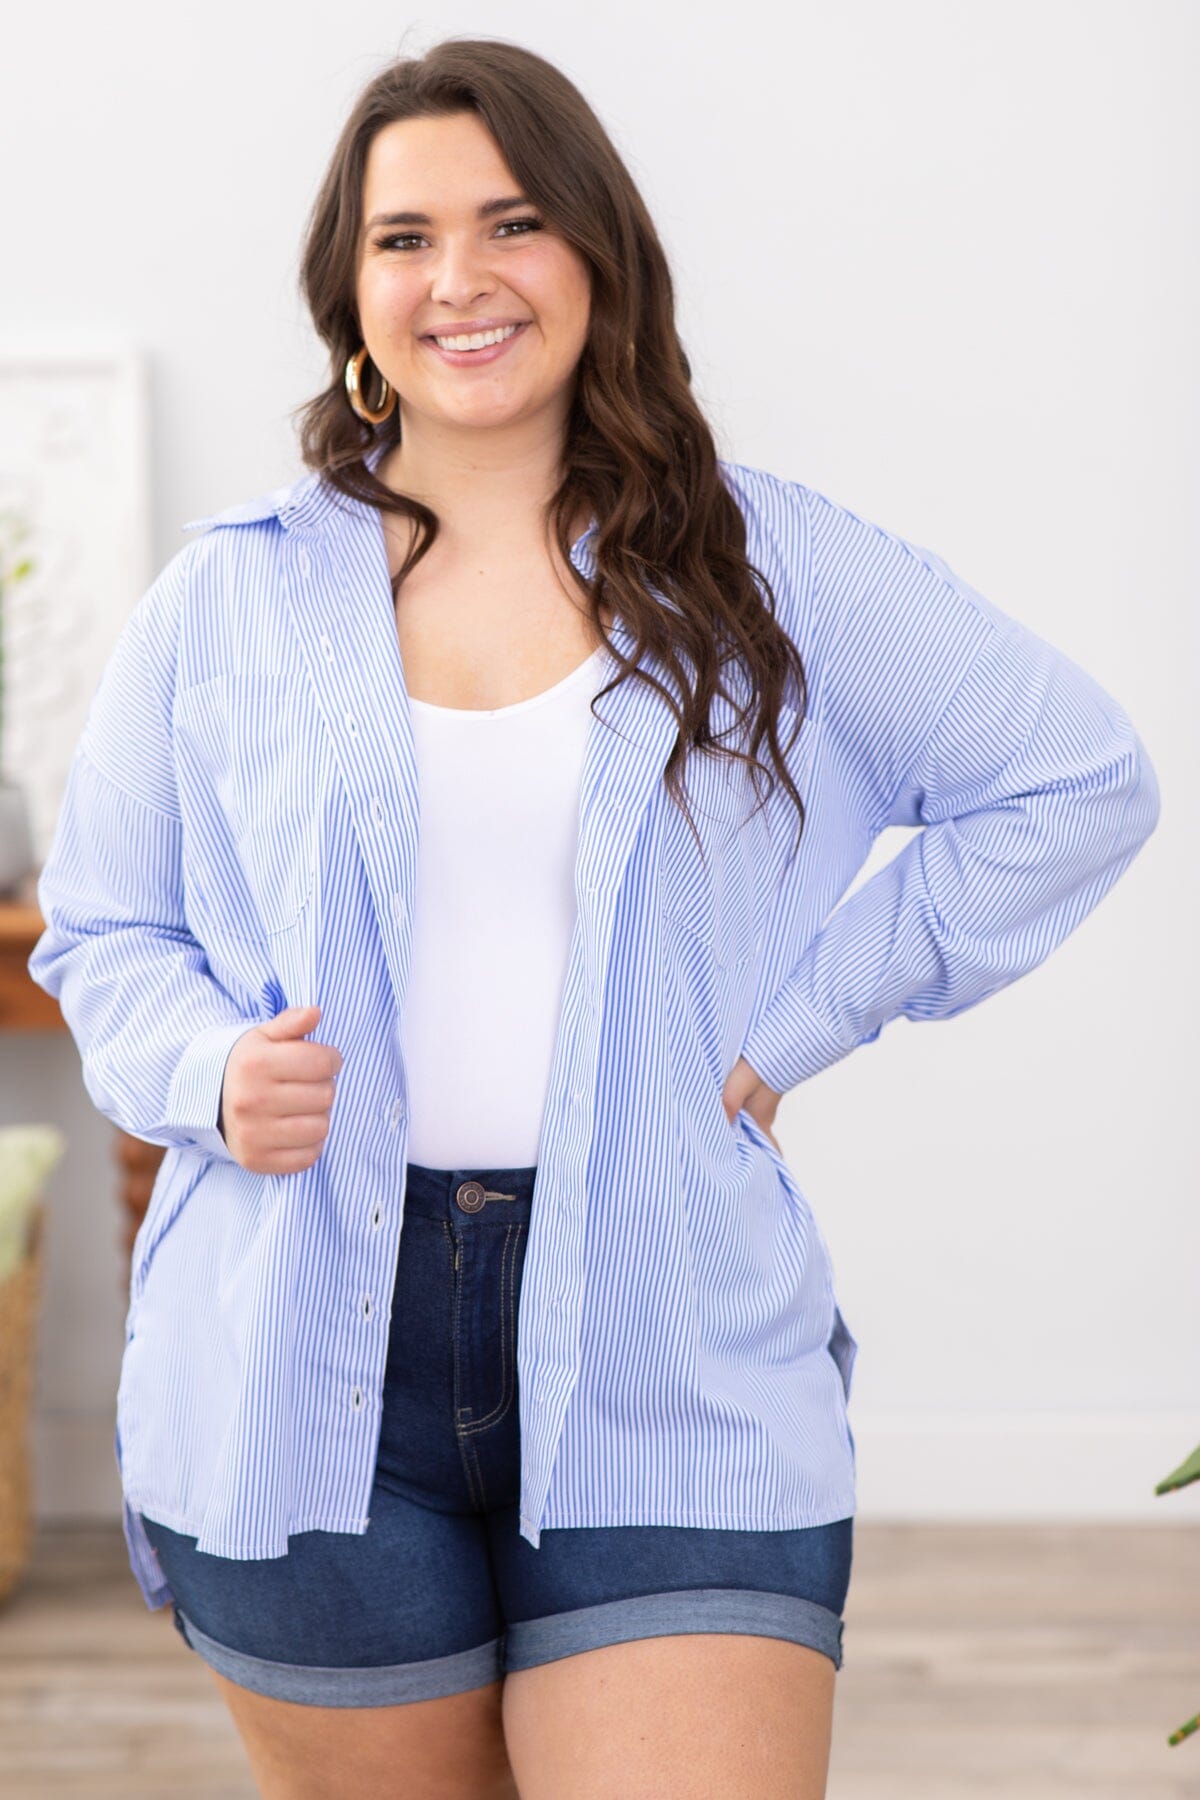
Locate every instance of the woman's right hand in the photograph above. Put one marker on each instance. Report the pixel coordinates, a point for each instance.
(277, 1094)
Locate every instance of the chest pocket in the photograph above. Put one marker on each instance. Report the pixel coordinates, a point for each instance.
(259, 765)
(708, 888)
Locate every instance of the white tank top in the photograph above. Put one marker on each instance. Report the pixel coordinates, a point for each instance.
(493, 919)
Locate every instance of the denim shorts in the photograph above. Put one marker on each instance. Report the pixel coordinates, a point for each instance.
(442, 1593)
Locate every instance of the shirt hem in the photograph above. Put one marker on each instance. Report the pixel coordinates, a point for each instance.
(237, 1552)
(844, 1508)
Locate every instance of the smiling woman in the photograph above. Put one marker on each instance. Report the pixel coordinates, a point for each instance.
(483, 1409)
(419, 290)
(475, 195)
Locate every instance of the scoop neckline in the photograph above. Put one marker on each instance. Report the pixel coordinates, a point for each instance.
(517, 706)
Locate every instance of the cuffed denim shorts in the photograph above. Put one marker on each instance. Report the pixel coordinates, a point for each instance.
(442, 1593)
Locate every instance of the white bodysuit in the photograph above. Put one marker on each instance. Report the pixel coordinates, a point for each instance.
(495, 910)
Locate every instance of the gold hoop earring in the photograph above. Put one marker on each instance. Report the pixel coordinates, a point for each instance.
(357, 398)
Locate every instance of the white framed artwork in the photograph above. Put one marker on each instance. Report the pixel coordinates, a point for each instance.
(74, 468)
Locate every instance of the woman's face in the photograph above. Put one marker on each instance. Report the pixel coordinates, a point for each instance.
(454, 266)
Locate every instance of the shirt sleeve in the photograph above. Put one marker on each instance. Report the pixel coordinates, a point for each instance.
(1034, 789)
(153, 1027)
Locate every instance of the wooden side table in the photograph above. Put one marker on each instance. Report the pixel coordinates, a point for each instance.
(24, 1006)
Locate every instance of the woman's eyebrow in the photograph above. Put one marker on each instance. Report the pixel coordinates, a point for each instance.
(415, 218)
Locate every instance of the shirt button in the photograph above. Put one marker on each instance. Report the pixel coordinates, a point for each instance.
(326, 646)
(577, 1095)
(305, 564)
(366, 1306)
(377, 1218)
(377, 809)
(356, 1399)
(397, 1113)
(351, 727)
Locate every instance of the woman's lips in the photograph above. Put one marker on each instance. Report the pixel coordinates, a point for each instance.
(462, 359)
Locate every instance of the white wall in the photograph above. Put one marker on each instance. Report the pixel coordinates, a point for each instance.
(939, 262)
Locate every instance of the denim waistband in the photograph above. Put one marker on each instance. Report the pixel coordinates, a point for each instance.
(490, 1194)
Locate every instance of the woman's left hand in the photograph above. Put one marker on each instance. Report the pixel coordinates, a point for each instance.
(745, 1092)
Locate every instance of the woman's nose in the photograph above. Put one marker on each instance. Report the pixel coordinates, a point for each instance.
(460, 275)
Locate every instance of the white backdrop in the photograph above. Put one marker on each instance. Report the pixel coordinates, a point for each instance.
(940, 263)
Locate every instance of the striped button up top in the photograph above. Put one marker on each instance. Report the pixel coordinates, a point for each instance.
(239, 833)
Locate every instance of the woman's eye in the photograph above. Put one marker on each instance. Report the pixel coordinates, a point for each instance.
(402, 239)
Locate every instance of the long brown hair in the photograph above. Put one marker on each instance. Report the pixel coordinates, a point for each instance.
(638, 452)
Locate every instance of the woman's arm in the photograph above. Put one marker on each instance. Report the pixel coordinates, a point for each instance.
(1034, 789)
(152, 1025)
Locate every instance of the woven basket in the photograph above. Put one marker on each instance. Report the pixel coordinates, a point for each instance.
(19, 1296)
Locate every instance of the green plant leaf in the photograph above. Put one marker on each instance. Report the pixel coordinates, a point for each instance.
(1188, 1471)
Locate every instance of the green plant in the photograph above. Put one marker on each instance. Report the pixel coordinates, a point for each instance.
(27, 1155)
(1187, 1472)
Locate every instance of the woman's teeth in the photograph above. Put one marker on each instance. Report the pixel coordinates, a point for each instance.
(478, 340)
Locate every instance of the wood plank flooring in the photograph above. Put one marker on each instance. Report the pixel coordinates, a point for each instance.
(1010, 1663)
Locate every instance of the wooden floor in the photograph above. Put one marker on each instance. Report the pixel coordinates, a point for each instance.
(1029, 1663)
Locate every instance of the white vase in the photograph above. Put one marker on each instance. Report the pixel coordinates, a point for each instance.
(16, 836)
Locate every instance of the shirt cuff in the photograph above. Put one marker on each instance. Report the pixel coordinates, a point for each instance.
(195, 1097)
(791, 1042)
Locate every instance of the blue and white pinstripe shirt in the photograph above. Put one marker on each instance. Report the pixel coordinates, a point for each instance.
(239, 833)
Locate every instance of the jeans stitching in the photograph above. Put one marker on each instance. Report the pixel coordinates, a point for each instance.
(456, 1289)
(453, 1317)
(468, 1448)
(507, 1284)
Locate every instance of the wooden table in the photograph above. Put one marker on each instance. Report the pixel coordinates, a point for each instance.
(26, 1007)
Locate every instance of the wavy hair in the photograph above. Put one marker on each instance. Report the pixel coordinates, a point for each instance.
(638, 451)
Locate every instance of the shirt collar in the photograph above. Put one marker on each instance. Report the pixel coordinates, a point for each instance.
(307, 504)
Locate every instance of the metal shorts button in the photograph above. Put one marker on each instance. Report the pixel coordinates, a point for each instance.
(471, 1196)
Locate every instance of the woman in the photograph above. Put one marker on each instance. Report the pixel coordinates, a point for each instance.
(419, 843)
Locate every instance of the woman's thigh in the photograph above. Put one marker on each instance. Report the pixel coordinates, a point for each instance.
(406, 1611)
(355, 1665)
(691, 1716)
(654, 1660)
(592, 1586)
(447, 1749)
